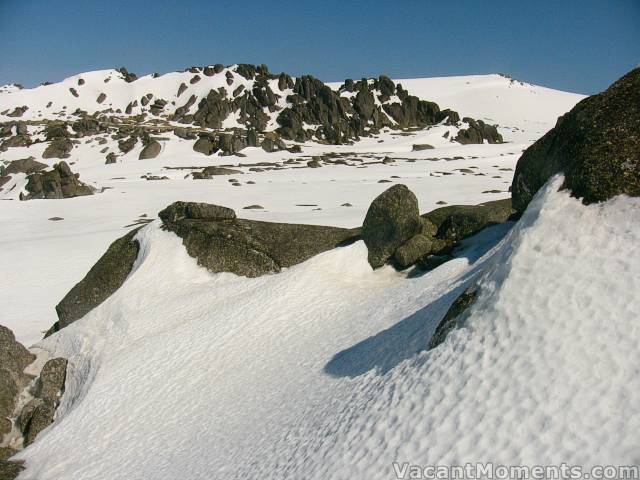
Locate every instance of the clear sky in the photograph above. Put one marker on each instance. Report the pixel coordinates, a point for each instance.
(575, 45)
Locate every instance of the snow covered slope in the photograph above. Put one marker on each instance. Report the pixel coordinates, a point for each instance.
(42, 259)
(320, 372)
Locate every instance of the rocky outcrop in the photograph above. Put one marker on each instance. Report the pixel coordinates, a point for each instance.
(394, 232)
(14, 358)
(457, 222)
(58, 183)
(126, 145)
(596, 145)
(222, 243)
(59, 147)
(478, 132)
(126, 75)
(18, 111)
(392, 219)
(104, 278)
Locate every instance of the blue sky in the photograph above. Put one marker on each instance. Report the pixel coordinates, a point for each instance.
(580, 45)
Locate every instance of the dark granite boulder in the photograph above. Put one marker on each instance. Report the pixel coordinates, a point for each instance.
(596, 145)
(392, 219)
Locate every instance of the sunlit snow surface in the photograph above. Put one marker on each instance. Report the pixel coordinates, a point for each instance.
(185, 374)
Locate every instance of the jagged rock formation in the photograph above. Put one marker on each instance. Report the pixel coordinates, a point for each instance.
(596, 145)
(58, 183)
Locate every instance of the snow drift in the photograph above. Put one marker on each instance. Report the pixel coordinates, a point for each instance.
(185, 374)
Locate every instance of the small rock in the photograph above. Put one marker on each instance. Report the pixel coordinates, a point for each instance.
(418, 147)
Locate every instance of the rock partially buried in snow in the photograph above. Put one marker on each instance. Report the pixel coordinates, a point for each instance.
(195, 211)
(454, 316)
(151, 150)
(209, 172)
(14, 358)
(104, 278)
(222, 243)
(392, 219)
(596, 145)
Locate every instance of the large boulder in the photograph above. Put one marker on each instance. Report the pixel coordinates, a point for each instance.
(392, 219)
(205, 145)
(596, 145)
(150, 150)
(58, 183)
(222, 243)
(104, 278)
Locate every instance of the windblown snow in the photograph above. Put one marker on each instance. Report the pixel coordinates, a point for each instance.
(320, 372)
